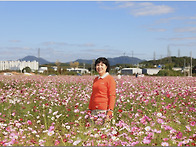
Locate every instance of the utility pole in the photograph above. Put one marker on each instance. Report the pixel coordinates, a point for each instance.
(178, 52)
(184, 66)
(84, 65)
(38, 58)
(191, 64)
(92, 67)
(169, 54)
(154, 56)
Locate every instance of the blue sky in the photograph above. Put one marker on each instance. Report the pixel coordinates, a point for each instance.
(70, 30)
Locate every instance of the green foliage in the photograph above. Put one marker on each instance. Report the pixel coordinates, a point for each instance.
(170, 62)
(166, 72)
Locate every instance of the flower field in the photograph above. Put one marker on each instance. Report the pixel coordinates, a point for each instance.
(52, 111)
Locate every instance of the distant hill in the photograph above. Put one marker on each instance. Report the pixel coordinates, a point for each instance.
(124, 60)
(113, 61)
(173, 61)
(116, 60)
(33, 58)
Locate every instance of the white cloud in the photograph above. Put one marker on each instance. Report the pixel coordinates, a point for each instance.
(53, 43)
(49, 43)
(16, 48)
(156, 29)
(186, 29)
(146, 8)
(15, 41)
(187, 44)
(166, 20)
(179, 38)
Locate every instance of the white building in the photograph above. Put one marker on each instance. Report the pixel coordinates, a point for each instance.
(151, 71)
(177, 68)
(79, 70)
(18, 65)
(42, 69)
(131, 71)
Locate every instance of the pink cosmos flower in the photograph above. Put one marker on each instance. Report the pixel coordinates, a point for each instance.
(134, 143)
(51, 128)
(192, 123)
(188, 128)
(56, 142)
(160, 121)
(179, 135)
(146, 141)
(180, 144)
(165, 139)
(29, 122)
(103, 136)
(164, 144)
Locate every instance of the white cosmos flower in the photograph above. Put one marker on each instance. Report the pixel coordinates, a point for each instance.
(159, 114)
(50, 133)
(147, 128)
(76, 142)
(96, 135)
(55, 113)
(34, 131)
(113, 121)
(114, 132)
(58, 115)
(50, 111)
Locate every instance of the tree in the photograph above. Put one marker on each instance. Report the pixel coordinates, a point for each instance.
(58, 66)
(74, 64)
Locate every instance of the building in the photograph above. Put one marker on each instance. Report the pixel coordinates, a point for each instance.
(79, 70)
(42, 69)
(131, 71)
(177, 68)
(150, 71)
(18, 65)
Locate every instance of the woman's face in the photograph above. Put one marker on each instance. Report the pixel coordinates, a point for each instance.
(101, 68)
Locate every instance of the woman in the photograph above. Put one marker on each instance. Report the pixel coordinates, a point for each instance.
(104, 90)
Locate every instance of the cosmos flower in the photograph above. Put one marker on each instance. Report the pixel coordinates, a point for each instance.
(179, 135)
(146, 141)
(76, 142)
(29, 122)
(160, 121)
(55, 113)
(164, 144)
(192, 123)
(147, 128)
(50, 133)
(159, 114)
(188, 128)
(76, 110)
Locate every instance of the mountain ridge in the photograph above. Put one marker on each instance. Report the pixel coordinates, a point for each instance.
(113, 61)
(33, 58)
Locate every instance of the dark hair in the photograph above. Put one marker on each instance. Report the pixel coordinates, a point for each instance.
(103, 60)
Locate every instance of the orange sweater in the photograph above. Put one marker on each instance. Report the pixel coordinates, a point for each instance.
(103, 94)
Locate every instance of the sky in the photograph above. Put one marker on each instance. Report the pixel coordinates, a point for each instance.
(65, 31)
